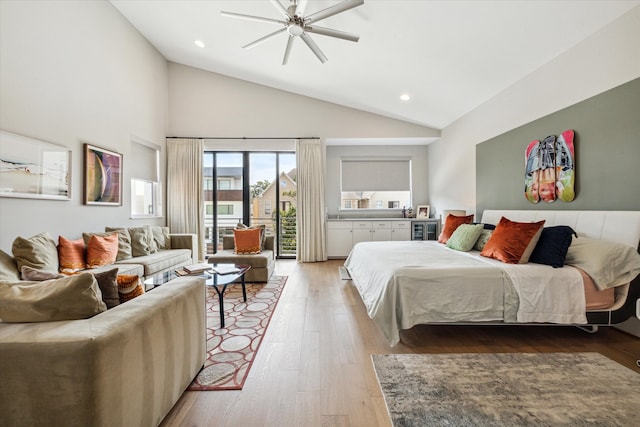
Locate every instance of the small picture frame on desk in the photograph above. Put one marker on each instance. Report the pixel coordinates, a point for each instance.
(422, 211)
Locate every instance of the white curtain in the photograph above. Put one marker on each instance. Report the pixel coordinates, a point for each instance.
(311, 224)
(185, 198)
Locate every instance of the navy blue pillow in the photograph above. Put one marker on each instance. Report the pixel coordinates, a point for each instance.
(486, 226)
(553, 245)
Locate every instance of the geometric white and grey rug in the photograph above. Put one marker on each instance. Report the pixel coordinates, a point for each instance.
(508, 389)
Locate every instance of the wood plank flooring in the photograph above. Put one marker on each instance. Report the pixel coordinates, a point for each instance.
(314, 366)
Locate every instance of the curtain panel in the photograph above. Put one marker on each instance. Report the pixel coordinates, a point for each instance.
(311, 222)
(185, 196)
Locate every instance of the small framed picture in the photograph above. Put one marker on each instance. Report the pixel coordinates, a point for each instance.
(422, 211)
(102, 176)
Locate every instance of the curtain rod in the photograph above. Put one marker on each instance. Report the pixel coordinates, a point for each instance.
(241, 137)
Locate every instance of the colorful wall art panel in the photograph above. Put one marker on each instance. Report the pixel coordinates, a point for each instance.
(550, 169)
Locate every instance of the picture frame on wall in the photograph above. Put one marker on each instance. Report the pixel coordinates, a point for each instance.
(34, 169)
(422, 211)
(102, 176)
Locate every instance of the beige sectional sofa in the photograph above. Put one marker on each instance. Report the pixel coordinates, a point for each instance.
(126, 366)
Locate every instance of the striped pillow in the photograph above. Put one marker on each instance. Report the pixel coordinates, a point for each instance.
(129, 287)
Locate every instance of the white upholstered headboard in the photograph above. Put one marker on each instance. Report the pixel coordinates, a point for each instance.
(617, 226)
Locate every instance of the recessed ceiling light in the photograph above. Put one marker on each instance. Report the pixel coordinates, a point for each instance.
(405, 97)
(198, 43)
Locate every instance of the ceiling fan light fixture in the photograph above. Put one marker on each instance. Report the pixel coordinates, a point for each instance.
(405, 97)
(199, 43)
(295, 29)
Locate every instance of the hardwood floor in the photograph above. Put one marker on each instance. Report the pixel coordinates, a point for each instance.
(314, 366)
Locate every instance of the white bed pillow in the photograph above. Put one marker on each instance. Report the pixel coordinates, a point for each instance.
(609, 264)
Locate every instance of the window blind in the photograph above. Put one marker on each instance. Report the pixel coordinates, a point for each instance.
(144, 161)
(376, 175)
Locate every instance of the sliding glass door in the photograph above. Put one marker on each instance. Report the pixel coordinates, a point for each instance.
(254, 188)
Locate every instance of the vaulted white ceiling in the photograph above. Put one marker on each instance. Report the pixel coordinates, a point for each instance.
(449, 56)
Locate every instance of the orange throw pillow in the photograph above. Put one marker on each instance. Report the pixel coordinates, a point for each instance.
(129, 287)
(70, 255)
(451, 223)
(512, 242)
(247, 241)
(102, 250)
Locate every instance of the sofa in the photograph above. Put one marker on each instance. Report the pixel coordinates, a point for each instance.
(262, 264)
(126, 366)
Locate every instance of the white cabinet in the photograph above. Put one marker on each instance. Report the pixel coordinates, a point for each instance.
(343, 234)
(401, 230)
(339, 240)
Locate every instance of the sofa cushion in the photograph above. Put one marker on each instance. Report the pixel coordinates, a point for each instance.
(8, 268)
(161, 260)
(161, 237)
(71, 255)
(124, 242)
(107, 281)
(102, 250)
(37, 251)
(247, 241)
(124, 267)
(261, 260)
(129, 287)
(68, 298)
(142, 242)
(30, 273)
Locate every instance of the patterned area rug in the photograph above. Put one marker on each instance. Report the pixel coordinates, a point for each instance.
(508, 389)
(232, 349)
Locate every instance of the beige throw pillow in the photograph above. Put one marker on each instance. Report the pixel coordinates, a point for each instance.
(39, 252)
(161, 237)
(8, 269)
(69, 298)
(142, 242)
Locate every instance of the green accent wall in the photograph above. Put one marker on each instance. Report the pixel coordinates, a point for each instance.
(607, 144)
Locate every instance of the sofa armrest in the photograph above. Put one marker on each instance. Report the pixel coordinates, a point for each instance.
(185, 241)
(270, 242)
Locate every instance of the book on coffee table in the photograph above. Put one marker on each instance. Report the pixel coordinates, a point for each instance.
(225, 269)
(197, 268)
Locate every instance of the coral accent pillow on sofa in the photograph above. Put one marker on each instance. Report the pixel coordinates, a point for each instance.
(451, 223)
(513, 242)
(102, 250)
(247, 241)
(129, 287)
(70, 255)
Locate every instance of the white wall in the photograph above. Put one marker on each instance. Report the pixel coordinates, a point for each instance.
(203, 103)
(605, 60)
(74, 72)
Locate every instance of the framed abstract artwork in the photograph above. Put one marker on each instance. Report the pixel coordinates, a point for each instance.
(30, 168)
(102, 176)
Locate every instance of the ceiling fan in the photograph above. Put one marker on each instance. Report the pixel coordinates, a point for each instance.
(296, 24)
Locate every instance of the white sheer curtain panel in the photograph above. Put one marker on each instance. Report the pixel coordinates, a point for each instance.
(311, 223)
(185, 199)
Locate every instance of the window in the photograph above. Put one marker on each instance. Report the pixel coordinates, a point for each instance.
(225, 209)
(146, 197)
(267, 207)
(224, 184)
(208, 183)
(375, 183)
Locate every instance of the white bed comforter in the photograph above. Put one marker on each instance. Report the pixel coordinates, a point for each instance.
(403, 284)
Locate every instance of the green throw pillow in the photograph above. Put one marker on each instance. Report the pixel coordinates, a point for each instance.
(483, 239)
(465, 237)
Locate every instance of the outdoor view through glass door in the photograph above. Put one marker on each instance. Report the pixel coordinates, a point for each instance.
(253, 188)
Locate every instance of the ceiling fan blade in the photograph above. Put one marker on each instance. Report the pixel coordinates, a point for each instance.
(314, 47)
(287, 51)
(300, 7)
(263, 39)
(333, 10)
(281, 8)
(332, 33)
(252, 18)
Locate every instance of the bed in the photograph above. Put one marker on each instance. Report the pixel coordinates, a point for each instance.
(403, 284)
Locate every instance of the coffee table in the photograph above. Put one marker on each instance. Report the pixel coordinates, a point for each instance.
(225, 280)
